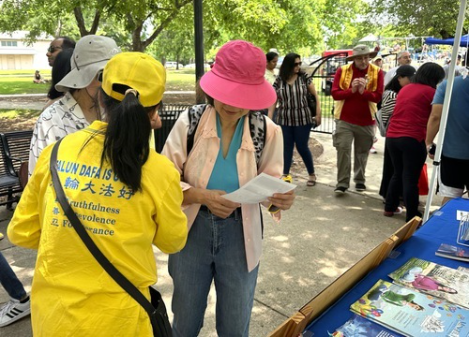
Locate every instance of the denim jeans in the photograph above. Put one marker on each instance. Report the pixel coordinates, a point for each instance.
(298, 135)
(9, 281)
(214, 251)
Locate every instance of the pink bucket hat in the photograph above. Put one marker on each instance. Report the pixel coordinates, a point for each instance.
(237, 78)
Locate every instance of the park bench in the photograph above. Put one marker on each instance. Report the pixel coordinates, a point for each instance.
(168, 115)
(15, 152)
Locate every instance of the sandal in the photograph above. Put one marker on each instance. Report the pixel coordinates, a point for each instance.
(311, 180)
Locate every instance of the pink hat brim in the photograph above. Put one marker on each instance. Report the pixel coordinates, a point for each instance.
(240, 95)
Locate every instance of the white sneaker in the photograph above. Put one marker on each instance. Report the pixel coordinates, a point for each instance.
(13, 311)
(373, 150)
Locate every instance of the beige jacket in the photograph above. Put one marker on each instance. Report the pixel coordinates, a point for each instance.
(196, 168)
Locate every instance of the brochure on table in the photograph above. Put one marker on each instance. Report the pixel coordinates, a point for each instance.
(411, 313)
(434, 279)
(442, 227)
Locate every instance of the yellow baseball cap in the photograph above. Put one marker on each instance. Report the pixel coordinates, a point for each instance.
(138, 71)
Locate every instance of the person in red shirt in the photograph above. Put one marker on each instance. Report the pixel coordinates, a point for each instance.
(405, 138)
(357, 88)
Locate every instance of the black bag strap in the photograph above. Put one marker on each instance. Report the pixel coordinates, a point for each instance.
(195, 114)
(98, 255)
(257, 128)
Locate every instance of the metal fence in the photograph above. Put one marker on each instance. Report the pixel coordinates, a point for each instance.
(322, 71)
(169, 113)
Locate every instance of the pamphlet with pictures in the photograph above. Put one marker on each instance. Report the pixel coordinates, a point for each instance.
(453, 252)
(358, 326)
(411, 313)
(434, 279)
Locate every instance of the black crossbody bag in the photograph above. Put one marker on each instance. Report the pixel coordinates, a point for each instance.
(156, 309)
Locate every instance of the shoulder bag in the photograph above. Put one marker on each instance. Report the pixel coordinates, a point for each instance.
(310, 98)
(156, 309)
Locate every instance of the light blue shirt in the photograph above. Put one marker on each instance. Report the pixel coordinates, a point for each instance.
(457, 130)
(225, 172)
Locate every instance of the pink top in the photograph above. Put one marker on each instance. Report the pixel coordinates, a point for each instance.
(410, 116)
(196, 169)
(425, 283)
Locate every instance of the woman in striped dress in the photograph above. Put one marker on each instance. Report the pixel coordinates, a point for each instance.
(294, 115)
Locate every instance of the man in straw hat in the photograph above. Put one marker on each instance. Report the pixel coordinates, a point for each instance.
(357, 88)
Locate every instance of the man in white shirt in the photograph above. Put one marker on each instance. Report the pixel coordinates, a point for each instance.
(458, 70)
(402, 58)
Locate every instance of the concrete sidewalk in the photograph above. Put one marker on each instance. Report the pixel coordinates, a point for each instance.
(318, 239)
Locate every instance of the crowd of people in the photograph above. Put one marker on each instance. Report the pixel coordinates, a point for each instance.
(410, 112)
(129, 198)
(103, 105)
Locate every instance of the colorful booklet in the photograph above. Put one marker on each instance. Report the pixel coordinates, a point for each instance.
(434, 279)
(453, 252)
(411, 313)
(358, 326)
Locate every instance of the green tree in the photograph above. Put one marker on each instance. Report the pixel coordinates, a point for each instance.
(177, 41)
(144, 20)
(303, 26)
(421, 18)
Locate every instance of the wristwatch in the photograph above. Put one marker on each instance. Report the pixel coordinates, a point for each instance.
(431, 149)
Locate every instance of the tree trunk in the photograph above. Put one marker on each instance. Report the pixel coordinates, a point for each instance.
(95, 25)
(80, 21)
(137, 44)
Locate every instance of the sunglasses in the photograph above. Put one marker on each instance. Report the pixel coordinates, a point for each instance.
(297, 64)
(52, 49)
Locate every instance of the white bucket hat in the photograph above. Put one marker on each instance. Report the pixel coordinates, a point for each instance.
(89, 57)
(361, 50)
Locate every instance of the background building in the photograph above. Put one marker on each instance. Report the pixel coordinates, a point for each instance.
(16, 54)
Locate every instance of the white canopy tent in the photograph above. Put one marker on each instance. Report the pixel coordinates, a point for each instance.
(446, 103)
(369, 38)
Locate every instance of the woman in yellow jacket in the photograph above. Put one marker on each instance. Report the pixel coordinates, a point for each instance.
(127, 197)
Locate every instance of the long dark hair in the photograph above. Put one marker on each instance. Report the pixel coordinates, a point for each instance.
(429, 74)
(60, 68)
(288, 64)
(126, 143)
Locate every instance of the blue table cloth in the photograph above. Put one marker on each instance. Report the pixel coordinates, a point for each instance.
(442, 227)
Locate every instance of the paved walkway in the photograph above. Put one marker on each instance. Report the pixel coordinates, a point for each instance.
(318, 239)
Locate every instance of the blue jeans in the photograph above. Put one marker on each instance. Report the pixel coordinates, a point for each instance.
(214, 251)
(9, 281)
(298, 135)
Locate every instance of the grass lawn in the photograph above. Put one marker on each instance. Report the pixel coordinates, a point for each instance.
(21, 82)
(24, 72)
(21, 85)
(21, 113)
(182, 80)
